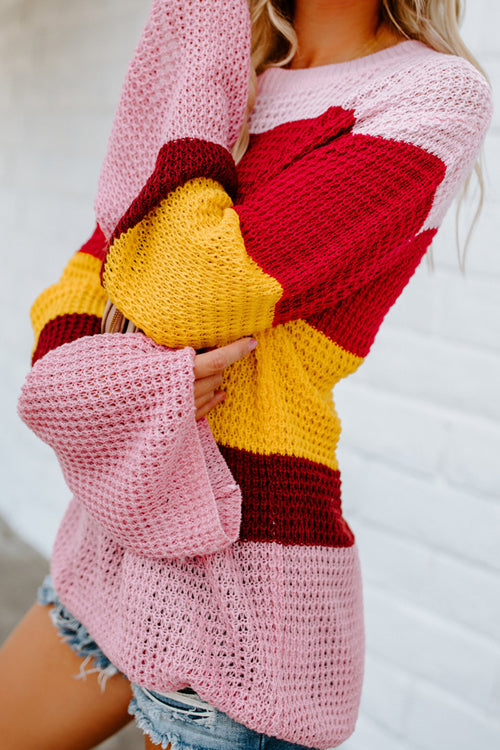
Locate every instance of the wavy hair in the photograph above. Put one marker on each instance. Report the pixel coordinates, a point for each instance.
(433, 22)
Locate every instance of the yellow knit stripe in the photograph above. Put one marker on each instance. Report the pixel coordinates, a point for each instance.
(78, 291)
(279, 398)
(183, 276)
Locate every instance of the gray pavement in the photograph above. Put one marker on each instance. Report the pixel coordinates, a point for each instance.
(21, 571)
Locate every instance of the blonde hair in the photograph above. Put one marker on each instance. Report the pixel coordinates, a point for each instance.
(434, 22)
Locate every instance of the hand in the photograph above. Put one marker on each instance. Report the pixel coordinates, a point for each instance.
(208, 369)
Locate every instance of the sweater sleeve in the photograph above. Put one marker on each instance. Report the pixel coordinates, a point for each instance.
(326, 214)
(73, 306)
(118, 410)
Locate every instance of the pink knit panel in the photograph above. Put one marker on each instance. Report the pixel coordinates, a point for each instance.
(271, 634)
(118, 410)
(408, 92)
(189, 77)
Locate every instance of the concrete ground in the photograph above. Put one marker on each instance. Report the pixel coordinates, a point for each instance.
(21, 571)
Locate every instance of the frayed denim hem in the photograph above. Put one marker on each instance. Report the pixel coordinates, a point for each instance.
(146, 725)
(76, 636)
(156, 718)
(158, 711)
(46, 592)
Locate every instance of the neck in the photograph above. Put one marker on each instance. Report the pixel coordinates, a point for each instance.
(330, 31)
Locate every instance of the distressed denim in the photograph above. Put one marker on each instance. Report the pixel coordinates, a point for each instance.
(180, 718)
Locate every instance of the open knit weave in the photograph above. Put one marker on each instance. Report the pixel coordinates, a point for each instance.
(119, 413)
(305, 245)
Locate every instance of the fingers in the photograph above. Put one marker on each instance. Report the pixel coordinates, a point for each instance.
(204, 386)
(208, 369)
(213, 362)
(202, 400)
(210, 404)
(205, 390)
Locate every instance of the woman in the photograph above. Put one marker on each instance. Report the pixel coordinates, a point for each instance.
(245, 585)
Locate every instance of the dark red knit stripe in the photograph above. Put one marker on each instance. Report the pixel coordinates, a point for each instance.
(63, 329)
(178, 162)
(288, 500)
(96, 245)
(354, 322)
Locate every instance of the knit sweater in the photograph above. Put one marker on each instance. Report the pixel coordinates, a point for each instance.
(305, 245)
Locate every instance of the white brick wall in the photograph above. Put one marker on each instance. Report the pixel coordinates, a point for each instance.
(420, 454)
(421, 442)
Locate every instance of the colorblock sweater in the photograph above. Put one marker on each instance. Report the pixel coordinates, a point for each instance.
(305, 244)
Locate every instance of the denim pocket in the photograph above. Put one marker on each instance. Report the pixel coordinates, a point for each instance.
(186, 704)
(185, 707)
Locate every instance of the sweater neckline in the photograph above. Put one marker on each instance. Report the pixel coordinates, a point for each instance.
(276, 79)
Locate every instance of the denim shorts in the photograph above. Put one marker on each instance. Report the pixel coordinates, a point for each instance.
(181, 718)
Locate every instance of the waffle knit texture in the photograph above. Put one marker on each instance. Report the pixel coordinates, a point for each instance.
(306, 244)
(119, 412)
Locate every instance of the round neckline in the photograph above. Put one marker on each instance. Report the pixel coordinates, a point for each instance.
(274, 78)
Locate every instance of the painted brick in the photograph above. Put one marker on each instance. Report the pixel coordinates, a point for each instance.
(387, 694)
(36, 495)
(416, 308)
(492, 157)
(353, 481)
(439, 371)
(472, 456)
(400, 566)
(433, 512)
(85, 132)
(375, 422)
(462, 592)
(439, 721)
(467, 311)
(491, 64)
(481, 23)
(369, 734)
(51, 171)
(455, 658)
(467, 594)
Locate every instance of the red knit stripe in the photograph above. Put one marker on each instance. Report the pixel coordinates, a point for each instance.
(354, 322)
(96, 245)
(63, 329)
(288, 500)
(387, 190)
(296, 139)
(178, 162)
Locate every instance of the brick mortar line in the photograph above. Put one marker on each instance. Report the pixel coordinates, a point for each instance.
(419, 542)
(413, 473)
(430, 407)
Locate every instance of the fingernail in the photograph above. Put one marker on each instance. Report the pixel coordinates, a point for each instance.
(252, 344)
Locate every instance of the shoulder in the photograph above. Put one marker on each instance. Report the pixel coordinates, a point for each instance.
(450, 83)
(437, 87)
(439, 102)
